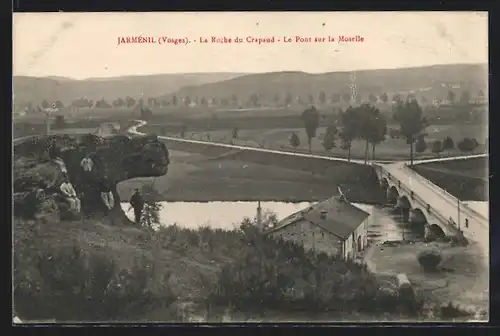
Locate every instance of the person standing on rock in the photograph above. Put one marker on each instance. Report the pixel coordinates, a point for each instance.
(137, 203)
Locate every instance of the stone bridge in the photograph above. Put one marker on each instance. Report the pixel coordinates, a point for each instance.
(423, 203)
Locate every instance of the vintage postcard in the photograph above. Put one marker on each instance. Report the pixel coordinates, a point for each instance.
(250, 167)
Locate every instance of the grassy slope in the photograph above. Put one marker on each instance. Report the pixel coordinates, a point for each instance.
(205, 177)
(466, 179)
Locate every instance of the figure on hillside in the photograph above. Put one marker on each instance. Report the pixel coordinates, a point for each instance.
(106, 193)
(68, 190)
(137, 203)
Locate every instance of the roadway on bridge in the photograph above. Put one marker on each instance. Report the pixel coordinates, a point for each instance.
(443, 203)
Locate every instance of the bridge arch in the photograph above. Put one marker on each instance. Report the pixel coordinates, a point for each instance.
(418, 216)
(384, 183)
(404, 202)
(392, 195)
(436, 231)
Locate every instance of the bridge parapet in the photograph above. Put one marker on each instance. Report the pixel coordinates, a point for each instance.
(452, 214)
(469, 211)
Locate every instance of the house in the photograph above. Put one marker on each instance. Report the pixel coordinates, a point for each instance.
(333, 226)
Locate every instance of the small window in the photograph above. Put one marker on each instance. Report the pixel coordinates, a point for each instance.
(322, 235)
(466, 223)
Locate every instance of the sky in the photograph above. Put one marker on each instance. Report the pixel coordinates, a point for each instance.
(83, 45)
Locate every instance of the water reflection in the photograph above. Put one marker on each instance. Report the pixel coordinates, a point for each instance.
(385, 224)
(388, 224)
(218, 215)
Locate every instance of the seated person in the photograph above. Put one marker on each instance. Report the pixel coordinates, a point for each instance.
(68, 191)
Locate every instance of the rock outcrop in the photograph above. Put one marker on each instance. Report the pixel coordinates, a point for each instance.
(38, 175)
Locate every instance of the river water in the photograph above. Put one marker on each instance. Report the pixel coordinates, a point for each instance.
(384, 225)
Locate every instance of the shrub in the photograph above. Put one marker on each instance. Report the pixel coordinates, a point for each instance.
(67, 284)
(294, 140)
(276, 274)
(429, 260)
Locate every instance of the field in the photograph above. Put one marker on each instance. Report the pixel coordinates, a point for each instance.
(277, 137)
(198, 177)
(465, 179)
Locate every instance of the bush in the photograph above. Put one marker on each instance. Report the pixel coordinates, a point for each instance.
(272, 273)
(429, 260)
(68, 284)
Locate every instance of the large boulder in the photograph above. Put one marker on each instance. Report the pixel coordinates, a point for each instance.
(37, 176)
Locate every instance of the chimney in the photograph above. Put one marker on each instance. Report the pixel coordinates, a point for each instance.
(323, 214)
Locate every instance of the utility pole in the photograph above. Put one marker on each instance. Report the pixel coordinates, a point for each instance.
(259, 216)
(458, 214)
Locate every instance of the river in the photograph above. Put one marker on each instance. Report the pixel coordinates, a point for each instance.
(384, 225)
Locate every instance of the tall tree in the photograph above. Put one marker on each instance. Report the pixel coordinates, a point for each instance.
(330, 137)
(420, 145)
(448, 143)
(129, 101)
(451, 97)
(346, 97)
(310, 117)
(254, 100)
(465, 98)
(45, 104)
(234, 99)
(174, 100)
(396, 98)
(371, 126)
(384, 97)
(378, 130)
(409, 115)
(322, 97)
(372, 98)
(349, 129)
(277, 99)
(335, 98)
(437, 147)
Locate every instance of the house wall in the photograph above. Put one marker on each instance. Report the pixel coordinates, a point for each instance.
(350, 245)
(311, 236)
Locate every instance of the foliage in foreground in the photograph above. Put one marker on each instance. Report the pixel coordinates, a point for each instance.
(255, 272)
(274, 274)
(70, 284)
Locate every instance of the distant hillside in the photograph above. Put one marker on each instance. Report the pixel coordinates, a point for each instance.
(430, 81)
(33, 89)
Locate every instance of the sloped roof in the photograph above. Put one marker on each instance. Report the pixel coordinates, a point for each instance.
(341, 220)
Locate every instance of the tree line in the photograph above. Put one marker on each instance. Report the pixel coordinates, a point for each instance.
(365, 122)
(259, 100)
